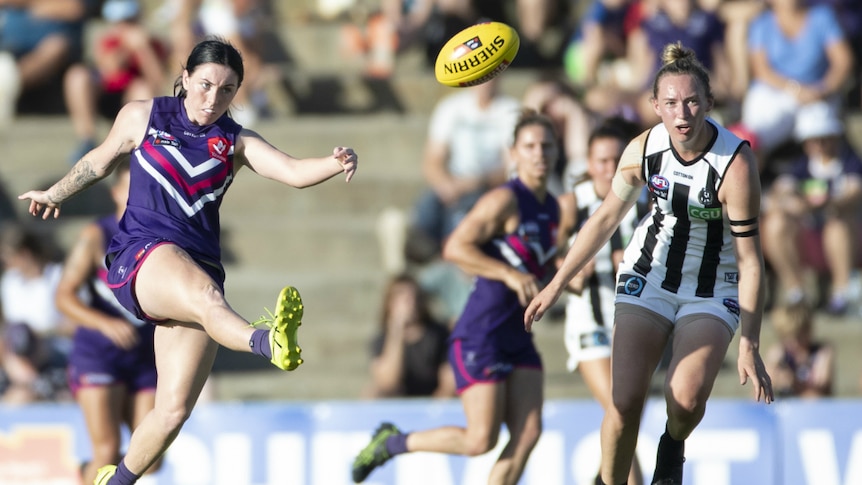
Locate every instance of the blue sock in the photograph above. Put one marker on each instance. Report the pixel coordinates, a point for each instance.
(259, 343)
(396, 444)
(123, 476)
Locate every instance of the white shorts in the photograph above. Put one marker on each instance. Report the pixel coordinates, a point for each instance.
(639, 291)
(586, 338)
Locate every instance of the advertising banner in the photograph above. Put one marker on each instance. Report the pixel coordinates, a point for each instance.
(314, 443)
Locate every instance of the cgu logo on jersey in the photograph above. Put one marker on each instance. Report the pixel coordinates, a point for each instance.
(163, 138)
(704, 213)
(659, 186)
(219, 148)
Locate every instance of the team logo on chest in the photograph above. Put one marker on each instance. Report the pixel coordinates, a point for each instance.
(219, 148)
(707, 197)
(711, 209)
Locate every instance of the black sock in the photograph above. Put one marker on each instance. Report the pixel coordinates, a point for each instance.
(667, 444)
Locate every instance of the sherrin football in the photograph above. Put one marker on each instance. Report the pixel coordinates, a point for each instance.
(476, 54)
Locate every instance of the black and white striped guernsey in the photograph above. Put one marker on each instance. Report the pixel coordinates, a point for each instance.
(685, 245)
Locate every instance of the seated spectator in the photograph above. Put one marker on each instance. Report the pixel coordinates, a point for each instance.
(799, 365)
(465, 155)
(40, 38)
(36, 337)
(596, 53)
(410, 351)
(850, 17)
(737, 16)
(800, 61)
(684, 21)
(376, 37)
(246, 24)
(128, 64)
(667, 22)
(534, 19)
(811, 218)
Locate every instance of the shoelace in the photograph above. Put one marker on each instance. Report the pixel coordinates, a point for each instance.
(264, 320)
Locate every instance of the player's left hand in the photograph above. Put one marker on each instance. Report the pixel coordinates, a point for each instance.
(750, 365)
(348, 159)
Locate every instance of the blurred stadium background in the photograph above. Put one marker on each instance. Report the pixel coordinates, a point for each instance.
(323, 240)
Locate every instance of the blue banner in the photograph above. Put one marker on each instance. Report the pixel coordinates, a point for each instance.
(297, 443)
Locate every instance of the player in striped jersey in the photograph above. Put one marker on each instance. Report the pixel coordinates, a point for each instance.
(693, 270)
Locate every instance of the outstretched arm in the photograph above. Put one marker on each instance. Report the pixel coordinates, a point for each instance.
(270, 162)
(129, 128)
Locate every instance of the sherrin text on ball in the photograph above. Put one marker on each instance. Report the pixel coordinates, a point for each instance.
(476, 54)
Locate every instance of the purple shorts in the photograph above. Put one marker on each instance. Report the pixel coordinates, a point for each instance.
(481, 361)
(123, 268)
(95, 362)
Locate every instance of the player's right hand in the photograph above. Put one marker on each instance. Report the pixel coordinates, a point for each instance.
(39, 201)
(539, 305)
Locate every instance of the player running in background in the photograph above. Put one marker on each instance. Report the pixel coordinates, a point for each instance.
(508, 241)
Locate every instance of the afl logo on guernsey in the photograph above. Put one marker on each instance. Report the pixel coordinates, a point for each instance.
(630, 285)
(219, 148)
(165, 139)
(659, 186)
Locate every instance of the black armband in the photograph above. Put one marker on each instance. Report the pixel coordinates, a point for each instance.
(750, 233)
(746, 222)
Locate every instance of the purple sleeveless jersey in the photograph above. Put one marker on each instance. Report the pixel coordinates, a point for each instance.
(179, 175)
(492, 310)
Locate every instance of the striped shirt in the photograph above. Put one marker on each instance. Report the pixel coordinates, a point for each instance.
(685, 246)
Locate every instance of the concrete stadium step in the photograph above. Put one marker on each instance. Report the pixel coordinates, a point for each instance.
(366, 193)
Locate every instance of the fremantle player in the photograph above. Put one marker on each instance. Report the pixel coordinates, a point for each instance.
(508, 241)
(165, 263)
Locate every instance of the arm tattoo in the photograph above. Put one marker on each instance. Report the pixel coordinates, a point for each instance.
(79, 178)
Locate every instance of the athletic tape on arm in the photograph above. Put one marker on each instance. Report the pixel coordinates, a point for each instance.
(630, 161)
